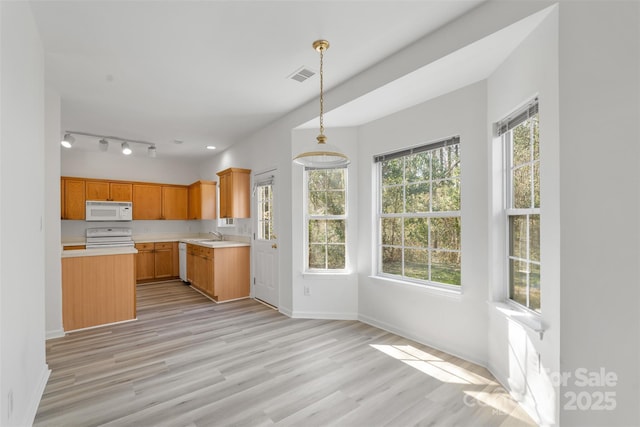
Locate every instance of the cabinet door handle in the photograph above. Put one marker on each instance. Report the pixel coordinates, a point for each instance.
(274, 246)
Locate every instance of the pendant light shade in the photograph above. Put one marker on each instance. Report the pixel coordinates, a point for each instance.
(322, 155)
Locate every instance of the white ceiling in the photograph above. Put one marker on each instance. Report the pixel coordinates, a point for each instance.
(212, 72)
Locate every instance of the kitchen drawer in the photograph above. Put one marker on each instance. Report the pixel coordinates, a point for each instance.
(144, 246)
(164, 245)
(207, 252)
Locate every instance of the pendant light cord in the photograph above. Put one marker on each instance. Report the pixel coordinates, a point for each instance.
(321, 91)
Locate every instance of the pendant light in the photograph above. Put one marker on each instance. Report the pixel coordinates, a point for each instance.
(323, 155)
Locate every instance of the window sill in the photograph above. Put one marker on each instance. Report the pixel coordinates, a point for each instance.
(325, 275)
(436, 290)
(529, 320)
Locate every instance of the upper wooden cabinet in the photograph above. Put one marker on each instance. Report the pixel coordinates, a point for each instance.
(73, 198)
(174, 202)
(147, 201)
(150, 201)
(202, 200)
(235, 193)
(154, 201)
(111, 191)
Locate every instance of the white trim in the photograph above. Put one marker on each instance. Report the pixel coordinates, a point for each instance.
(34, 402)
(429, 288)
(521, 315)
(57, 333)
(527, 404)
(326, 274)
(100, 326)
(400, 332)
(324, 315)
(286, 311)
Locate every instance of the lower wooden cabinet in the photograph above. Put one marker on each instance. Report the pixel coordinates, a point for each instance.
(97, 290)
(157, 261)
(221, 273)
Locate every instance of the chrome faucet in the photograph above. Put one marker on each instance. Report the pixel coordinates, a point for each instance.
(217, 235)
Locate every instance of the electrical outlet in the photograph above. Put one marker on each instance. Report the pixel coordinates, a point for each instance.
(307, 292)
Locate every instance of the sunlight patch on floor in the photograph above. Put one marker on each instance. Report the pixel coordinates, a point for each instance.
(431, 365)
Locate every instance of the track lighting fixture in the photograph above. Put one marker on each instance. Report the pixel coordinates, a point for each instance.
(67, 141)
(126, 150)
(103, 142)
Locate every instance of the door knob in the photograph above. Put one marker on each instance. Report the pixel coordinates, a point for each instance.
(274, 246)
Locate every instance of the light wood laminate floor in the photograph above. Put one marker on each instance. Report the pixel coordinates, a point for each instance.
(187, 361)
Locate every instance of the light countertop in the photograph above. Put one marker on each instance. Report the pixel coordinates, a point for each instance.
(98, 252)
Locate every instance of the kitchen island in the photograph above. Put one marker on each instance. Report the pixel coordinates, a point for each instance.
(98, 287)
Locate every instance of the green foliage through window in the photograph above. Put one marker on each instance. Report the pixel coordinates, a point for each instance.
(326, 219)
(419, 216)
(522, 143)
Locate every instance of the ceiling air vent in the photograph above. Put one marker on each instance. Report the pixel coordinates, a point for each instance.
(302, 74)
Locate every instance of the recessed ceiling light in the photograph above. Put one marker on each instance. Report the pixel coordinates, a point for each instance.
(210, 147)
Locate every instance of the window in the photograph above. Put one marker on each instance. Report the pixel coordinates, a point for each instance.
(419, 213)
(326, 217)
(522, 147)
(265, 209)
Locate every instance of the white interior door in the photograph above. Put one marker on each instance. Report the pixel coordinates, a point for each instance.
(265, 243)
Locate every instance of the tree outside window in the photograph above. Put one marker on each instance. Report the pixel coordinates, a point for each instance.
(419, 214)
(326, 219)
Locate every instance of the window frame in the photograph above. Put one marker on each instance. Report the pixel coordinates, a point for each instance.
(505, 133)
(308, 217)
(380, 159)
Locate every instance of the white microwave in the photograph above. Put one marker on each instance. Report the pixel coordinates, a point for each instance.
(109, 211)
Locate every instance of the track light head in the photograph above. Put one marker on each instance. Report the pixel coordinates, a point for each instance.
(126, 150)
(67, 141)
(103, 145)
(151, 151)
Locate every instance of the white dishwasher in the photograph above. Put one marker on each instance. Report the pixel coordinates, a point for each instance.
(182, 256)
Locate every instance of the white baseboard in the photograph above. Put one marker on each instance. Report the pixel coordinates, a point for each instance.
(57, 333)
(32, 407)
(398, 331)
(323, 315)
(286, 311)
(527, 404)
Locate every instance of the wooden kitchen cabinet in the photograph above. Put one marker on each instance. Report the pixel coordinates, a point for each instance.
(73, 198)
(231, 273)
(147, 201)
(235, 193)
(200, 269)
(174, 202)
(109, 191)
(163, 260)
(97, 290)
(202, 200)
(220, 273)
(154, 201)
(145, 262)
(157, 261)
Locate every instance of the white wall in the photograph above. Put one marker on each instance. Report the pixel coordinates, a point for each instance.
(53, 268)
(267, 150)
(23, 370)
(599, 53)
(532, 69)
(96, 164)
(332, 296)
(90, 164)
(416, 311)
